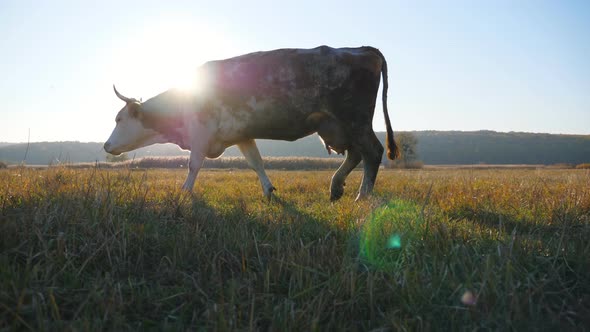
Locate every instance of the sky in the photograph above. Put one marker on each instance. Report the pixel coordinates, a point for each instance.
(453, 65)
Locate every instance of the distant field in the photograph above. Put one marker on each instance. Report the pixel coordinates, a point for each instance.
(284, 163)
(443, 249)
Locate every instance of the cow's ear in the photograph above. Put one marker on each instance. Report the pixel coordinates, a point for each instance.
(134, 109)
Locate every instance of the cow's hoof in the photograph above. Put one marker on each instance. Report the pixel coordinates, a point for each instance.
(269, 193)
(336, 193)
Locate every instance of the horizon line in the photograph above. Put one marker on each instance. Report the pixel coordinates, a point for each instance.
(376, 132)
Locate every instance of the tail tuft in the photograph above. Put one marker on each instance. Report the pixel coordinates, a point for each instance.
(393, 152)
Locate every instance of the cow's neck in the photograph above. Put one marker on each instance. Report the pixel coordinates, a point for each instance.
(166, 113)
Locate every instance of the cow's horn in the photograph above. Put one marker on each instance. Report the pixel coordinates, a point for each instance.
(123, 98)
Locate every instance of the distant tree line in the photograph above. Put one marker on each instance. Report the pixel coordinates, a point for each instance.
(488, 147)
(432, 148)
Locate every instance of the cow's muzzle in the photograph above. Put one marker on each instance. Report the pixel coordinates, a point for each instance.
(108, 148)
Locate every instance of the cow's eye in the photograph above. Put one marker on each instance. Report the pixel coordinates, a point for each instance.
(117, 120)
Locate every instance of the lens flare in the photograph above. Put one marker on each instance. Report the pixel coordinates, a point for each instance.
(388, 234)
(468, 299)
(394, 242)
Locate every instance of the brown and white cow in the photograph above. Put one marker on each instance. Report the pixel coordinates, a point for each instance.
(284, 94)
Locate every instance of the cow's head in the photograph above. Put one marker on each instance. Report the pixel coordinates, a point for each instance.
(130, 132)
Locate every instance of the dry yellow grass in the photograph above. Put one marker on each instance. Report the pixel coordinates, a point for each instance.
(432, 249)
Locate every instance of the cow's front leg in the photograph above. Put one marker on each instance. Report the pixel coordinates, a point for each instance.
(194, 165)
(250, 151)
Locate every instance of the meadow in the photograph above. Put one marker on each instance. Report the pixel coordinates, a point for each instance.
(126, 249)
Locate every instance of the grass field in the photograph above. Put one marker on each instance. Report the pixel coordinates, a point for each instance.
(431, 250)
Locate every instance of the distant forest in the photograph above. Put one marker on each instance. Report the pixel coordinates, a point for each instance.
(433, 148)
(454, 147)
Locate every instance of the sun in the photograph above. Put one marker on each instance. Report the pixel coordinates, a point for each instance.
(167, 55)
(188, 81)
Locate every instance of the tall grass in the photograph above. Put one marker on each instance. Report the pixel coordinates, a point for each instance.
(125, 249)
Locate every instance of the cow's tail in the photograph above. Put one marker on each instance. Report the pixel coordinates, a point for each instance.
(392, 149)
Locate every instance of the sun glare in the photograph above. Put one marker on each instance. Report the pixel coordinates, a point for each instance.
(167, 55)
(185, 83)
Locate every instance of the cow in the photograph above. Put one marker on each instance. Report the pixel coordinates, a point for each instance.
(284, 94)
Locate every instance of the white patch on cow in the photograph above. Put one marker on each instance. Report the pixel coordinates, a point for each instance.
(230, 121)
(129, 134)
(252, 103)
(258, 105)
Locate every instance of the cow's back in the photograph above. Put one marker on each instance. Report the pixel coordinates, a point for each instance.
(276, 92)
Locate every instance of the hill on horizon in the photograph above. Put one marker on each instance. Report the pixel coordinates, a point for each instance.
(433, 148)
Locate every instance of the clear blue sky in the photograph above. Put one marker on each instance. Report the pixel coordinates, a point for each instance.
(453, 65)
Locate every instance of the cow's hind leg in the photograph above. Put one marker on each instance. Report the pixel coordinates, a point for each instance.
(372, 152)
(353, 158)
(250, 151)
